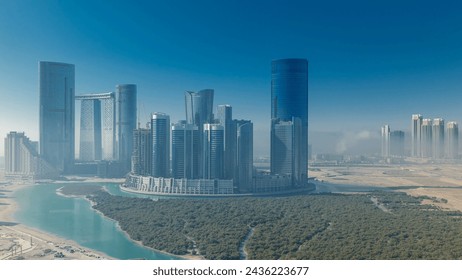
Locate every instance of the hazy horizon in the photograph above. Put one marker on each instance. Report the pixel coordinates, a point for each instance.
(370, 64)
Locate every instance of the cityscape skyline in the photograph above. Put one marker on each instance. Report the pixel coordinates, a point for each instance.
(365, 58)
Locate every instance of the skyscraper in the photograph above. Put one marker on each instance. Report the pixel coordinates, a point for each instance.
(97, 126)
(289, 119)
(416, 135)
(108, 126)
(199, 111)
(244, 155)
(90, 130)
(386, 141)
(160, 132)
(125, 122)
(426, 138)
(438, 138)
(142, 152)
(213, 149)
(22, 159)
(57, 91)
(452, 142)
(199, 107)
(225, 118)
(397, 143)
(185, 151)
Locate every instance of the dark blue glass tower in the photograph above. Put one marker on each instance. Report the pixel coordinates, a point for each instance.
(57, 94)
(289, 119)
(125, 123)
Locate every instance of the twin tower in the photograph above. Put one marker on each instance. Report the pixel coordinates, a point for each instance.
(107, 120)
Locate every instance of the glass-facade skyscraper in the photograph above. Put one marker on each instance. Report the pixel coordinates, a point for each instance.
(125, 123)
(97, 126)
(289, 119)
(57, 124)
(160, 133)
(213, 151)
(90, 130)
(244, 155)
(225, 118)
(142, 152)
(185, 151)
(199, 107)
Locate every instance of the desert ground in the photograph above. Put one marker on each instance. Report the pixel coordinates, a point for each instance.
(442, 181)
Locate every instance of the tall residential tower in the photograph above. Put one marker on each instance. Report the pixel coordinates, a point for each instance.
(416, 135)
(452, 140)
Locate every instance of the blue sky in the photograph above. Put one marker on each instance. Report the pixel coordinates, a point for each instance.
(370, 62)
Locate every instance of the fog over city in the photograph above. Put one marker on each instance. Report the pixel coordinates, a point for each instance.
(369, 64)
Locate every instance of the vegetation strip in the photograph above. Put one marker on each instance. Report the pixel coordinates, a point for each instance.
(329, 226)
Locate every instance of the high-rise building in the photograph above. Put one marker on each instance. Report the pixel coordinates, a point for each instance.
(108, 126)
(438, 138)
(213, 149)
(285, 138)
(225, 118)
(416, 136)
(386, 141)
(244, 155)
(97, 127)
(57, 91)
(289, 119)
(397, 143)
(90, 130)
(199, 107)
(199, 111)
(160, 132)
(125, 123)
(452, 140)
(22, 159)
(185, 151)
(142, 152)
(426, 139)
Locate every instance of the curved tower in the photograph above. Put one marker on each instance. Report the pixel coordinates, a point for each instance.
(199, 107)
(289, 119)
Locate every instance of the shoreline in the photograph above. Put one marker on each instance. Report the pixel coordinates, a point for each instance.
(33, 243)
(184, 257)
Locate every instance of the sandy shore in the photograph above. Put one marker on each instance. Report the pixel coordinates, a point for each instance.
(442, 181)
(18, 241)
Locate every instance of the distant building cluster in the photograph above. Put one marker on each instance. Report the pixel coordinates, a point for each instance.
(206, 153)
(430, 139)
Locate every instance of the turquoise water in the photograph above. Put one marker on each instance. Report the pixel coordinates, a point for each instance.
(73, 218)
